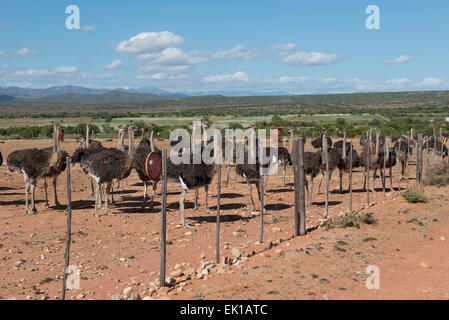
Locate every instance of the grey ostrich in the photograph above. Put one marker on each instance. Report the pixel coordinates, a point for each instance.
(190, 176)
(36, 164)
(344, 149)
(145, 147)
(374, 146)
(107, 166)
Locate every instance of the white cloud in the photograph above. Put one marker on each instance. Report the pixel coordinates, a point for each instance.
(65, 69)
(238, 51)
(161, 75)
(149, 42)
(171, 60)
(291, 79)
(45, 72)
(401, 59)
(239, 75)
(431, 81)
(398, 82)
(113, 65)
(310, 58)
(88, 29)
(283, 47)
(25, 52)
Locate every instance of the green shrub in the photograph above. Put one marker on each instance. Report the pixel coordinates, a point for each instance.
(350, 220)
(415, 195)
(438, 175)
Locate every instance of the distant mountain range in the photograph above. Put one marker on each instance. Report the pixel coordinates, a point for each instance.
(82, 95)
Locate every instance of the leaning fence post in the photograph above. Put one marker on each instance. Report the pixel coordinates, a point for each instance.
(419, 161)
(300, 204)
(69, 229)
(162, 282)
(441, 143)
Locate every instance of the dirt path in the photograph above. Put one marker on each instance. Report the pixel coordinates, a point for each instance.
(122, 250)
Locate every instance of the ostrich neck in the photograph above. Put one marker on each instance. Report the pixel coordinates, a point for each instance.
(152, 140)
(55, 138)
(87, 136)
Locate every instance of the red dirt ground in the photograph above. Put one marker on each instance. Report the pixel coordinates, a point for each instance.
(122, 250)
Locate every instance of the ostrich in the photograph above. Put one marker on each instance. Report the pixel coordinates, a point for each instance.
(373, 145)
(190, 176)
(333, 156)
(403, 148)
(108, 166)
(344, 149)
(36, 164)
(144, 148)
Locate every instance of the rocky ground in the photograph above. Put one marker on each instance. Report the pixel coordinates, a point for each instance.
(118, 254)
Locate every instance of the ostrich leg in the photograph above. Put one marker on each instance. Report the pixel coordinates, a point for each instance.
(92, 187)
(145, 191)
(310, 192)
(319, 185)
(55, 192)
(250, 189)
(195, 209)
(228, 170)
(97, 200)
(108, 190)
(154, 194)
(206, 188)
(285, 171)
(27, 191)
(181, 218)
(46, 195)
(341, 181)
(33, 188)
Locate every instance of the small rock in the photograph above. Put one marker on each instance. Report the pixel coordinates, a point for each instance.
(236, 253)
(170, 280)
(134, 296)
(127, 292)
(148, 298)
(442, 238)
(424, 265)
(177, 273)
(80, 296)
(117, 297)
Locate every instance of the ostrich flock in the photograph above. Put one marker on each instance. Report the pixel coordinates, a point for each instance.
(112, 165)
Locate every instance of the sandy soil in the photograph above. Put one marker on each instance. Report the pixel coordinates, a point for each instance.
(122, 250)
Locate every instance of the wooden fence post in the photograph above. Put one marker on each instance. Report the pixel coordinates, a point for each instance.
(326, 159)
(350, 177)
(368, 156)
(261, 208)
(419, 161)
(163, 267)
(441, 143)
(217, 235)
(69, 229)
(300, 204)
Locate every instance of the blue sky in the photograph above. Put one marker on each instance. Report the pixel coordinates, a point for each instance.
(296, 46)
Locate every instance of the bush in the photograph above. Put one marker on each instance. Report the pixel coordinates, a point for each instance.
(415, 195)
(438, 175)
(350, 220)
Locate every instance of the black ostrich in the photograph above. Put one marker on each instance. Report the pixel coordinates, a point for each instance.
(145, 147)
(344, 164)
(36, 164)
(190, 176)
(376, 157)
(403, 148)
(108, 166)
